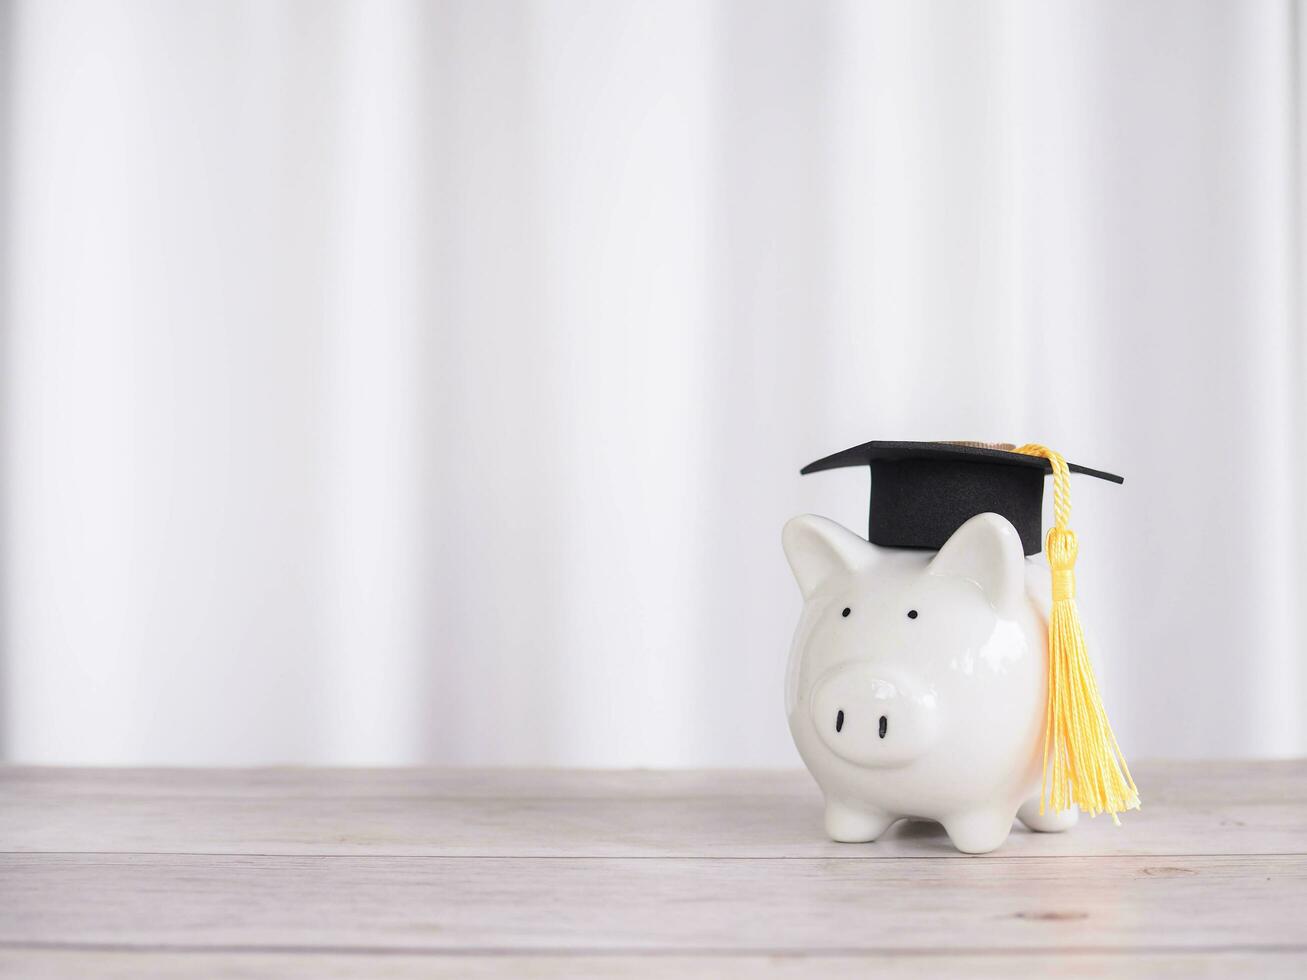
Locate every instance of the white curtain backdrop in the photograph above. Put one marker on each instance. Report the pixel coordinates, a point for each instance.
(403, 382)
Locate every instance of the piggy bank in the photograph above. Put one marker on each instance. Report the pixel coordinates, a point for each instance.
(917, 681)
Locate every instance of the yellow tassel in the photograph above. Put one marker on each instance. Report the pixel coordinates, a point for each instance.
(1082, 762)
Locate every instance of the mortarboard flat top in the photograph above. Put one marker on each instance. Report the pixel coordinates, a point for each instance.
(921, 492)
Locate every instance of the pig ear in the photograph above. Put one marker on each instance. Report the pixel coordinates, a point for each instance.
(987, 550)
(820, 551)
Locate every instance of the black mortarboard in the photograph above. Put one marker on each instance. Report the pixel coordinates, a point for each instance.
(921, 492)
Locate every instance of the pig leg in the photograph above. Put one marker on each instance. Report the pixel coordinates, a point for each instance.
(1051, 822)
(855, 825)
(979, 831)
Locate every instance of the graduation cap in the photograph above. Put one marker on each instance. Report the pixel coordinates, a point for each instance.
(921, 492)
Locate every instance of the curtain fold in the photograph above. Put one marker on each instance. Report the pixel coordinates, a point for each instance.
(407, 382)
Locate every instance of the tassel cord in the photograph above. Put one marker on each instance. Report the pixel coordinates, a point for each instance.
(1083, 763)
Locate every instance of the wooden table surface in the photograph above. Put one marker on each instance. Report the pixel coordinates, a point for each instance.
(471, 873)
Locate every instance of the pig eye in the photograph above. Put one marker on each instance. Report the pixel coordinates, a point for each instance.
(912, 614)
(846, 612)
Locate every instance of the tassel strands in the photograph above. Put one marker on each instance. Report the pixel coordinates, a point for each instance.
(1082, 762)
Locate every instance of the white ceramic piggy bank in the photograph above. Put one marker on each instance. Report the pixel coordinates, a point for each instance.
(917, 681)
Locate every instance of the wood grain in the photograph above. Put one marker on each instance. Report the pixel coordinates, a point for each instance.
(672, 904)
(1192, 781)
(1250, 808)
(188, 965)
(403, 873)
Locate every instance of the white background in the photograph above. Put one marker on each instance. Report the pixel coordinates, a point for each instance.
(392, 383)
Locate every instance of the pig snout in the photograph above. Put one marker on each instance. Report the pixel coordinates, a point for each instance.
(872, 717)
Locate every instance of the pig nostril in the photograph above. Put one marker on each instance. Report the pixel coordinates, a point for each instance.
(839, 720)
(884, 725)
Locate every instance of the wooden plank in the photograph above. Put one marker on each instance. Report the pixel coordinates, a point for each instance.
(1281, 781)
(746, 826)
(132, 965)
(669, 905)
(604, 814)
